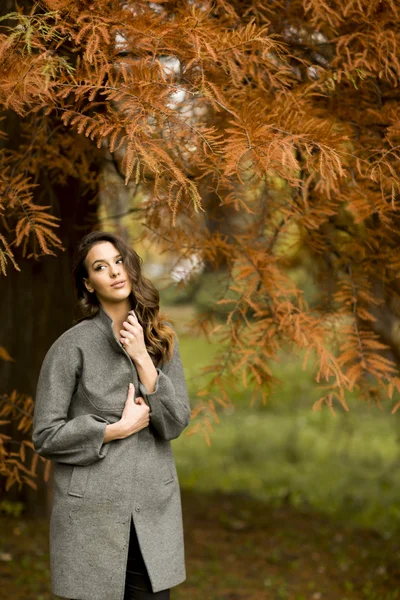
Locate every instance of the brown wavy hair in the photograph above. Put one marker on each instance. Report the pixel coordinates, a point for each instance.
(144, 297)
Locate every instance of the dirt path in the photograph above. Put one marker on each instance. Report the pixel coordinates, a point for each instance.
(237, 548)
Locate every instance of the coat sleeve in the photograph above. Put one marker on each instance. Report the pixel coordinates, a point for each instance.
(77, 441)
(169, 403)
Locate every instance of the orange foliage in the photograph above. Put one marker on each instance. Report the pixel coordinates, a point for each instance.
(286, 112)
(18, 460)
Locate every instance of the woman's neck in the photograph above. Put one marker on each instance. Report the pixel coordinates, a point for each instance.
(118, 313)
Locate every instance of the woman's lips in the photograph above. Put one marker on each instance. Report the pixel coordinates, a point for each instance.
(118, 285)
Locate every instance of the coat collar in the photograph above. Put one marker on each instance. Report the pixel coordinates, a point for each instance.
(105, 323)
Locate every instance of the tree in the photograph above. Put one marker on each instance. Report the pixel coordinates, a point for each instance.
(35, 289)
(284, 114)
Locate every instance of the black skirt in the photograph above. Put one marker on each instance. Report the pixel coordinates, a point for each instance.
(137, 583)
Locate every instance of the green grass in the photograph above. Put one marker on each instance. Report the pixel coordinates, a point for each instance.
(347, 468)
(345, 465)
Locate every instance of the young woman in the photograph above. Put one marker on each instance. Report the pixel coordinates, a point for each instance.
(111, 394)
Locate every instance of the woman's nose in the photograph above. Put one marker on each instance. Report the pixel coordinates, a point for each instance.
(114, 270)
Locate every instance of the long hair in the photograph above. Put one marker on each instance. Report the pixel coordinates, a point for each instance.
(145, 299)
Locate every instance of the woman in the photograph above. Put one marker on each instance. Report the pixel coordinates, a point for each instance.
(111, 394)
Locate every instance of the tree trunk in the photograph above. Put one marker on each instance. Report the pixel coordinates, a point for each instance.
(37, 305)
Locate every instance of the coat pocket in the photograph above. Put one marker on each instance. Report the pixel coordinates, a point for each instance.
(169, 475)
(79, 478)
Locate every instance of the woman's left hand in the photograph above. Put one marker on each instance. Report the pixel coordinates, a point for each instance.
(132, 337)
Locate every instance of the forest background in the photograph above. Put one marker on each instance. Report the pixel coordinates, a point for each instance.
(249, 151)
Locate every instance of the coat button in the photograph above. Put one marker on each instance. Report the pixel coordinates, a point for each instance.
(137, 509)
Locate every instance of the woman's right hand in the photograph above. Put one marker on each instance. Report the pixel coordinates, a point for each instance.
(135, 416)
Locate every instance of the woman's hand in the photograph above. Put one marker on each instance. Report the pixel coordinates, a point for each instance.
(133, 342)
(132, 337)
(135, 416)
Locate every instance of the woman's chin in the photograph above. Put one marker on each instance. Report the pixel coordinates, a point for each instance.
(116, 296)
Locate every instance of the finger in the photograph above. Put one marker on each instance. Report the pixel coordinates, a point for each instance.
(128, 326)
(131, 391)
(126, 334)
(133, 319)
(133, 315)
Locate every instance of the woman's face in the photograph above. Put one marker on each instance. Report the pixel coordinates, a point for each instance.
(105, 268)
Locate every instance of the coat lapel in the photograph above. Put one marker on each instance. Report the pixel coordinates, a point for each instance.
(105, 323)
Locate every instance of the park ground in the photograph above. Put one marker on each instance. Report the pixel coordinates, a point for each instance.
(238, 548)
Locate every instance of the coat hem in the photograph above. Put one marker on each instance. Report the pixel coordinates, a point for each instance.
(72, 596)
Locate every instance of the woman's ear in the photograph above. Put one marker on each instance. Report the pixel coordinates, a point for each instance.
(87, 285)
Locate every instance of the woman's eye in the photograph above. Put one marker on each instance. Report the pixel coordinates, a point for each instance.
(120, 259)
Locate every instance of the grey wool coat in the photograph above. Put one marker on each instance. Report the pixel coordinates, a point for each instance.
(98, 487)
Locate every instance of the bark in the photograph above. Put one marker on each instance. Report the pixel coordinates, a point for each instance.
(37, 305)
